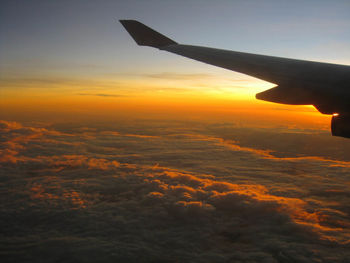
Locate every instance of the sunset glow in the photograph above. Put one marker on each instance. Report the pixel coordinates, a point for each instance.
(113, 152)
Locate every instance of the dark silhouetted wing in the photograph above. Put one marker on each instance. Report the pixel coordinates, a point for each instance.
(299, 82)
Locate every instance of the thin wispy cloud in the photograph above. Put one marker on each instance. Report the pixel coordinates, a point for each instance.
(102, 95)
(54, 82)
(179, 76)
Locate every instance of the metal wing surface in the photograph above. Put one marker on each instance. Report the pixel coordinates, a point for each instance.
(299, 82)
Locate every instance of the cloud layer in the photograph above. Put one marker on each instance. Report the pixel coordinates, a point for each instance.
(168, 192)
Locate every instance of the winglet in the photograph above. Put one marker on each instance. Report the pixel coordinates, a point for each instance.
(145, 36)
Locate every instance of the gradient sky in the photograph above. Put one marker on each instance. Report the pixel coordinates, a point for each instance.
(70, 53)
(111, 152)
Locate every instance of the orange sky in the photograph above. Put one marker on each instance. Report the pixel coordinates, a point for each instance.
(170, 96)
(76, 61)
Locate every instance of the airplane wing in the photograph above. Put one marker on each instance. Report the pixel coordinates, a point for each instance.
(299, 82)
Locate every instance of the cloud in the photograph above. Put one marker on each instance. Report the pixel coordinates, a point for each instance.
(102, 95)
(267, 154)
(56, 82)
(170, 194)
(179, 76)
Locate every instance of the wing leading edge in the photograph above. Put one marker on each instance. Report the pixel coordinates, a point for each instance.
(299, 82)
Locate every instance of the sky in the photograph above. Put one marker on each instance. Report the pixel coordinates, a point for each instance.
(75, 54)
(111, 152)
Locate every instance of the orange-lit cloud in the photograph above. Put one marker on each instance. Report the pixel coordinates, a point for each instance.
(172, 183)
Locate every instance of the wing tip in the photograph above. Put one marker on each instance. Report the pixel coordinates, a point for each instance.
(144, 35)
